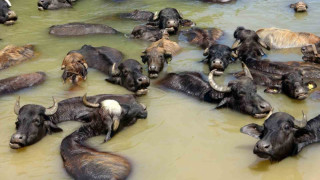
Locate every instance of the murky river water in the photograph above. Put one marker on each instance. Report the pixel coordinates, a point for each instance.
(182, 138)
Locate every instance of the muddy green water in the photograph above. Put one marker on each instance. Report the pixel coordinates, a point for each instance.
(182, 138)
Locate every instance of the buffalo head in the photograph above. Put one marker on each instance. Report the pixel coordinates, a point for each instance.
(54, 4)
(7, 16)
(293, 85)
(33, 123)
(299, 6)
(311, 52)
(241, 95)
(218, 58)
(74, 68)
(130, 76)
(280, 136)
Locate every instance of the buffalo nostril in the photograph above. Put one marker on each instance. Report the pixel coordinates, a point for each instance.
(266, 146)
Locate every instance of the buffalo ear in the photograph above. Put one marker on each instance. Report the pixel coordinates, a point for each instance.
(51, 127)
(168, 56)
(253, 130)
(303, 136)
(273, 90)
(311, 85)
(144, 59)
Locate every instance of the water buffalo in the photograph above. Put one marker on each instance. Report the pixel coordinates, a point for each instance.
(35, 121)
(282, 135)
(219, 1)
(311, 52)
(108, 60)
(54, 4)
(299, 6)
(203, 37)
(83, 162)
(239, 95)
(14, 55)
(146, 32)
(277, 38)
(74, 68)
(138, 15)
(218, 57)
(7, 16)
(80, 29)
(169, 18)
(247, 44)
(13, 84)
(158, 54)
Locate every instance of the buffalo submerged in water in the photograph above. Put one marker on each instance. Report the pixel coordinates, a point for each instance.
(239, 95)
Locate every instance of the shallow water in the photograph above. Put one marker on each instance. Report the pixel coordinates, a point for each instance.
(182, 138)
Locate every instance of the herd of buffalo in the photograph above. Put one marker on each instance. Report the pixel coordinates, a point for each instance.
(280, 136)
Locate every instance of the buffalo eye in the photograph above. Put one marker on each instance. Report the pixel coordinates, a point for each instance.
(17, 124)
(125, 72)
(37, 122)
(286, 127)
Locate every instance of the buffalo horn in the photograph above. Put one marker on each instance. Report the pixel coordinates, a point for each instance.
(17, 106)
(302, 123)
(236, 44)
(143, 106)
(156, 15)
(206, 52)
(116, 122)
(85, 102)
(215, 86)
(246, 71)
(114, 71)
(53, 109)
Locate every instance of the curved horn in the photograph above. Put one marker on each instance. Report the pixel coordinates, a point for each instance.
(17, 106)
(116, 122)
(156, 16)
(143, 106)
(53, 109)
(215, 86)
(114, 71)
(302, 123)
(85, 102)
(246, 71)
(206, 52)
(236, 44)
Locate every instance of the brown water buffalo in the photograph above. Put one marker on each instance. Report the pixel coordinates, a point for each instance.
(7, 16)
(277, 38)
(35, 121)
(80, 29)
(169, 18)
(218, 58)
(203, 37)
(282, 135)
(299, 6)
(16, 83)
(54, 4)
(146, 32)
(311, 53)
(14, 55)
(247, 45)
(158, 54)
(84, 162)
(74, 68)
(108, 60)
(240, 95)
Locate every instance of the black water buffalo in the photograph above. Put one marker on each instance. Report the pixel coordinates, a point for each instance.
(203, 37)
(299, 6)
(83, 162)
(311, 53)
(7, 16)
(282, 135)
(218, 57)
(108, 60)
(171, 19)
(146, 32)
(247, 44)
(138, 15)
(16, 83)
(240, 94)
(80, 29)
(219, 1)
(280, 77)
(158, 54)
(35, 121)
(54, 4)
